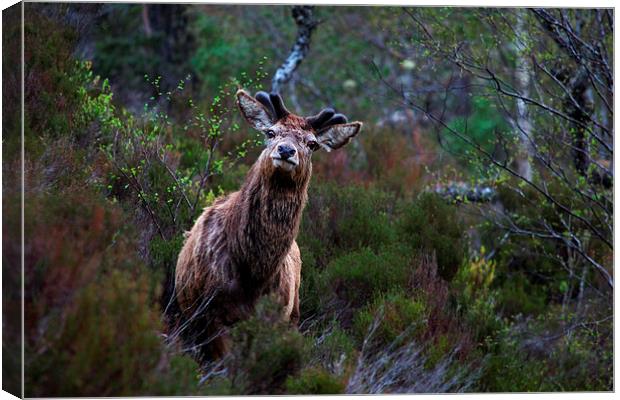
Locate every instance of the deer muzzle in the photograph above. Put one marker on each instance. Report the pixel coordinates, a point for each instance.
(284, 156)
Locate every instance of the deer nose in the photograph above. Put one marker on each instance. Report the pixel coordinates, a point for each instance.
(285, 151)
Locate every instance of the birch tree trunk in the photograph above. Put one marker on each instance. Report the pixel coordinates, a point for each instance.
(522, 122)
(304, 18)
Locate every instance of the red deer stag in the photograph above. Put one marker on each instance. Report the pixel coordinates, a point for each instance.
(243, 246)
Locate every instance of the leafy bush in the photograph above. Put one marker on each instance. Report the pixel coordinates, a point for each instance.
(48, 85)
(339, 219)
(536, 355)
(348, 221)
(583, 362)
(107, 343)
(422, 315)
(315, 381)
(480, 126)
(518, 295)
(266, 350)
(399, 314)
(432, 225)
(91, 304)
(476, 301)
(164, 253)
(334, 350)
(356, 278)
(508, 369)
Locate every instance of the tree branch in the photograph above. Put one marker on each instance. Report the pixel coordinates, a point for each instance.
(306, 23)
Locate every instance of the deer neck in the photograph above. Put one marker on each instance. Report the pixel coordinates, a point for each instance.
(267, 218)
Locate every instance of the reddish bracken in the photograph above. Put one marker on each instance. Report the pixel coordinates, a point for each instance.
(243, 246)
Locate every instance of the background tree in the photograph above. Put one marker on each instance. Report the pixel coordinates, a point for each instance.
(557, 124)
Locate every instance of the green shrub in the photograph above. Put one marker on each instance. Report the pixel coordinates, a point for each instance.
(334, 350)
(177, 376)
(359, 276)
(517, 295)
(508, 370)
(546, 360)
(476, 307)
(91, 305)
(315, 381)
(582, 362)
(340, 219)
(265, 351)
(430, 224)
(50, 64)
(164, 253)
(481, 126)
(310, 297)
(107, 345)
(397, 314)
(438, 350)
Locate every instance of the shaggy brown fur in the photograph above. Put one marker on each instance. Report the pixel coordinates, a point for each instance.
(243, 246)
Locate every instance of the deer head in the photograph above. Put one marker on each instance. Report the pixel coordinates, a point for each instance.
(291, 139)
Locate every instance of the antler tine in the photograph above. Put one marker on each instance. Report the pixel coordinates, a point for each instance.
(278, 105)
(316, 121)
(333, 120)
(336, 119)
(264, 99)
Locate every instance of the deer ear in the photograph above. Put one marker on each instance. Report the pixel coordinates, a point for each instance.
(254, 112)
(338, 135)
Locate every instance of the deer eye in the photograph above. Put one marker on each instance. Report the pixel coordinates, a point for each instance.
(270, 134)
(313, 145)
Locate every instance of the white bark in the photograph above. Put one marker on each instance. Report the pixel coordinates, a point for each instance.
(523, 125)
(305, 25)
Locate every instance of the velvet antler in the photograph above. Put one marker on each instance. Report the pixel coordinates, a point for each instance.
(325, 119)
(263, 98)
(274, 104)
(278, 105)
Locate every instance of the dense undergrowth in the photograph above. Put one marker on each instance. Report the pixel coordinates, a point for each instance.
(394, 296)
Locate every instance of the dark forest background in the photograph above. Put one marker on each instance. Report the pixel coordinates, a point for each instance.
(462, 241)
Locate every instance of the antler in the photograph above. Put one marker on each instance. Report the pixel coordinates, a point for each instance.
(323, 120)
(274, 104)
(326, 118)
